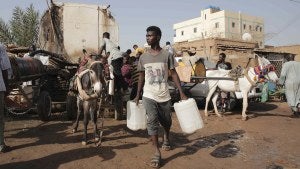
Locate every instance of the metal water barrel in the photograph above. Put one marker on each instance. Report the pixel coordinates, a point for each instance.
(26, 69)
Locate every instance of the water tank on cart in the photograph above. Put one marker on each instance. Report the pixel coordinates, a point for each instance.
(25, 69)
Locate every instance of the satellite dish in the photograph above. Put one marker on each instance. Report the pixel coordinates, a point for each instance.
(247, 37)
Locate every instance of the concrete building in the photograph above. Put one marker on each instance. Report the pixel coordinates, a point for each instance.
(216, 23)
(67, 28)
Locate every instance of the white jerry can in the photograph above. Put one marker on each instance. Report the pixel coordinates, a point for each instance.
(188, 115)
(136, 116)
(111, 87)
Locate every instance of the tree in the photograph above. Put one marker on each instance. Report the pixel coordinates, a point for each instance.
(31, 23)
(5, 34)
(22, 29)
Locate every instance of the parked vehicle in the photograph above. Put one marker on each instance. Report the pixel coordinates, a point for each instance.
(199, 91)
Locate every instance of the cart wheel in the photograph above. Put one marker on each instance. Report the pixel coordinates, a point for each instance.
(44, 104)
(71, 106)
(118, 106)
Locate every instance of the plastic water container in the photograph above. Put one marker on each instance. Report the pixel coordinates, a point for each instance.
(111, 87)
(188, 115)
(136, 116)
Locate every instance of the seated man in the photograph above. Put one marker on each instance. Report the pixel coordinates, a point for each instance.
(221, 64)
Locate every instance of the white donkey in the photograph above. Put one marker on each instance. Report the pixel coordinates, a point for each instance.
(245, 84)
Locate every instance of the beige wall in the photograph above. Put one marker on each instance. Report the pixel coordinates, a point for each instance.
(237, 52)
(295, 49)
(84, 25)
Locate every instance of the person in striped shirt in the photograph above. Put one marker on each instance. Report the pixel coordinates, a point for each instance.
(134, 77)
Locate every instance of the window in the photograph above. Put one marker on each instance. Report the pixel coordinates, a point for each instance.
(244, 26)
(256, 29)
(260, 29)
(217, 25)
(205, 16)
(250, 27)
(182, 33)
(233, 24)
(195, 30)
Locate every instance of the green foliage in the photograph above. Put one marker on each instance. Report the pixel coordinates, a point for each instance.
(23, 27)
(5, 34)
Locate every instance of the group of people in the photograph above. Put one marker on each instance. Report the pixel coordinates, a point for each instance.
(119, 66)
(147, 74)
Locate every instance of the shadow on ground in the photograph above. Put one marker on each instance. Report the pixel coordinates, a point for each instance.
(228, 150)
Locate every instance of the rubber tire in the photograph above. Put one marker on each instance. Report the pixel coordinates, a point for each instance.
(71, 107)
(44, 105)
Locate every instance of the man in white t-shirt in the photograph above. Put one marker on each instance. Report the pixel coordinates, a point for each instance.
(4, 68)
(114, 60)
(108, 46)
(154, 66)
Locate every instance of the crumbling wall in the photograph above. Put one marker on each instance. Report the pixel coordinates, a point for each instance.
(51, 31)
(295, 49)
(237, 52)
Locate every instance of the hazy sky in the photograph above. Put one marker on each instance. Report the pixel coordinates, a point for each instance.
(282, 17)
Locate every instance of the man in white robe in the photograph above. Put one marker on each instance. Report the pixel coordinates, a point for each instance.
(290, 78)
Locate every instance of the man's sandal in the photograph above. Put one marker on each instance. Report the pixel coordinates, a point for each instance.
(155, 161)
(166, 146)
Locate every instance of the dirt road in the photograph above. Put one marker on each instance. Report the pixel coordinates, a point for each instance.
(269, 139)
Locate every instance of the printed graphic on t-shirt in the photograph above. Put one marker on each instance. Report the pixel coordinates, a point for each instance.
(155, 75)
(156, 81)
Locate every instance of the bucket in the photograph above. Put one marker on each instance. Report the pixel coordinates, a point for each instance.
(188, 115)
(136, 116)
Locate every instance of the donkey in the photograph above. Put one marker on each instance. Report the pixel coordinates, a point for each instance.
(245, 84)
(90, 83)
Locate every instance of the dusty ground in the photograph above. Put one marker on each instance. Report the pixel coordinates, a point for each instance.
(269, 139)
